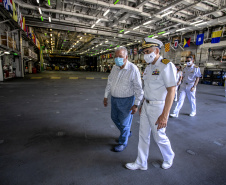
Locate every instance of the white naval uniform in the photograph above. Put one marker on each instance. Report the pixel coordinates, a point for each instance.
(156, 79)
(189, 76)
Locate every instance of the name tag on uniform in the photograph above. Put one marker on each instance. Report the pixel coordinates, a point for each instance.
(156, 72)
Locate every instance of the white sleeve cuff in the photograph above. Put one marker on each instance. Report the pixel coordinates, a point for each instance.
(106, 95)
(137, 102)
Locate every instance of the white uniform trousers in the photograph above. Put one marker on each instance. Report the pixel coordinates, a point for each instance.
(149, 116)
(175, 98)
(186, 90)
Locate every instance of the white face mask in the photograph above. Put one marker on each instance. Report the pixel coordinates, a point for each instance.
(149, 58)
(189, 63)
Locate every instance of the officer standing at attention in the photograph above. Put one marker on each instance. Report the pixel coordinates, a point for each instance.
(159, 91)
(191, 75)
(125, 86)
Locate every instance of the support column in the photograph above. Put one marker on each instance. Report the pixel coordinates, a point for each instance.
(22, 55)
(1, 69)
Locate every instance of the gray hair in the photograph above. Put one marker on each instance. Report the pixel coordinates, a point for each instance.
(122, 48)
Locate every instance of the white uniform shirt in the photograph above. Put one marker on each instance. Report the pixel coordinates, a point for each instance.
(190, 74)
(125, 82)
(157, 78)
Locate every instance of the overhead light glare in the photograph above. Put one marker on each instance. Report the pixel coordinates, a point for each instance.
(93, 26)
(106, 12)
(165, 14)
(155, 37)
(180, 29)
(127, 32)
(136, 27)
(49, 19)
(6, 52)
(196, 22)
(40, 11)
(166, 33)
(200, 23)
(98, 21)
(38, 1)
(147, 22)
(80, 38)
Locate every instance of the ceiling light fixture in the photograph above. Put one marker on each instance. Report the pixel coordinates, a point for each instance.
(38, 1)
(40, 11)
(180, 29)
(126, 32)
(166, 33)
(80, 38)
(165, 14)
(200, 23)
(93, 26)
(147, 22)
(136, 27)
(196, 22)
(98, 21)
(106, 12)
(49, 19)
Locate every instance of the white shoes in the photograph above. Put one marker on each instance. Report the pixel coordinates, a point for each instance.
(167, 164)
(174, 115)
(135, 166)
(192, 114)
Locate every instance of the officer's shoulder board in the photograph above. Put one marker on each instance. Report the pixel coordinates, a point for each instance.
(196, 66)
(165, 61)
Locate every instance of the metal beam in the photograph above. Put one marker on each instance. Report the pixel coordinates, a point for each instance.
(57, 26)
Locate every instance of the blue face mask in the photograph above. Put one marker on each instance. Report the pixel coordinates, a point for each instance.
(119, 61)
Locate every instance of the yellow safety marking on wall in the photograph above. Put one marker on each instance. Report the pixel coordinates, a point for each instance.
(55, 78)
(89, 78)
(73, 78)
(35, 78)
(104, 78)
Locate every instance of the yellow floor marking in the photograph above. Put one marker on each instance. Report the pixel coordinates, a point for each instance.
(73, 78)
(55, 78)
(104, 78)
(89, 78)
(34, 78)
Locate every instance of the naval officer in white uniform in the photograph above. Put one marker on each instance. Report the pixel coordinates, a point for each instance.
(159, 91)
(191, 75)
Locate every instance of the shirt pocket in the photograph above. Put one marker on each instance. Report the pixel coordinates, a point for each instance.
(154, 77)
(191, 75)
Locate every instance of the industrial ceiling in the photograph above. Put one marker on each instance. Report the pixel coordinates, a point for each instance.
(97, 26)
